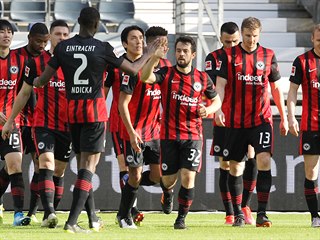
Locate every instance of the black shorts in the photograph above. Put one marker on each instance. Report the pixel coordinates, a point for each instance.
(88, 137)
(150, 154)
(217, 141)
(180, 154)
(309, 143)
(238, 139)
(13, 144)
(57, 142)
(117, 143)
(27, 140)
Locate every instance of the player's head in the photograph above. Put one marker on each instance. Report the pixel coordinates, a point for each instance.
(229, 34)
(155, 31)
(59, 31)
(89, 18)
(6, 33)
(250, 31)
(315, 38)
(185, 51)
(132, 38)
(38, 38)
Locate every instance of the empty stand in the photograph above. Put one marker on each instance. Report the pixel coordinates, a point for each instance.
(69, 10)
(129, 22)
(115, 11)
(28, 11)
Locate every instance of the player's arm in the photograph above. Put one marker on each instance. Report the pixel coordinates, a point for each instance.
(291, 106)
(45, 77)
(220, 89)
(147, 72)
(19, 103)
(278, 98)
(123, 106)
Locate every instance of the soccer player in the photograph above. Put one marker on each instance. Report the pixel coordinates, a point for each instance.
(306, 72)
(83, 60)
(229, 37)
(12, 65)
(244, 73)
(182, 87)
(38, 38)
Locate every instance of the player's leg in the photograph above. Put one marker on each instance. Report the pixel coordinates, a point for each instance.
(4, 183)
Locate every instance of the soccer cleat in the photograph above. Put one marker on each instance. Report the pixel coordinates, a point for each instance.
(96, 226)
(315, 222)
(248, 218)
(75, 229)
(179, 224)
(229, 220)
(167, 202)
(34, 218)
(127, 223)
(262, 220)
(239, 221)
(20, 219)
(1, 213)
(50, 222)
(137, 216)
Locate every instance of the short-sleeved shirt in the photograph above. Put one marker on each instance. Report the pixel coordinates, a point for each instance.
(83, 62)
(247, 102)
(306, 72)
(181, 95)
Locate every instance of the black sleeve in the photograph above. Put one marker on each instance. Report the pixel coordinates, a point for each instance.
(275, 73)
(161, 74)
(30, 72)
(210, 66)
(221, 69)
(112, 56)
(296, 75)
(210, 92)
(128, 83)
(109, 76)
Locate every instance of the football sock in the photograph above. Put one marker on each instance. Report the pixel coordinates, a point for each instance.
(59, 189)
(249, 181)
(224, 191)
(236, 188)
(263, 187)
(80, 194)
(91, 207)
(145, 179)
(128, 196)
(185, 199)
(4, 181)
(34, 195)
(310, 193)
(46, 189)
(17, 191)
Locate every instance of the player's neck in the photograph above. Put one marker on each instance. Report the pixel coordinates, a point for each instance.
(249, 49)
(316, 52)
(132, 57)
(4, 51)
(185, 70)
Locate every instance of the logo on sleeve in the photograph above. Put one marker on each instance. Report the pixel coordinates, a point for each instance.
(125, 80)
(293, 71)
(26, 71)
(208, 65)
(219, 63)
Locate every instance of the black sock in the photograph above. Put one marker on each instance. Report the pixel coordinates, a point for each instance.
(236, 188)
(91, 207)
(128, 196)
(145, 179)
(4, 181)
(310, 193)
(224, 191)
(263, 187)
(249, 181)
(59, 189)
(185, 199)
(46, 189)
(80, 195)
(17, 191)
(34, 195)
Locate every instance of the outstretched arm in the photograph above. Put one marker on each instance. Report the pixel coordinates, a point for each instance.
(45, 77)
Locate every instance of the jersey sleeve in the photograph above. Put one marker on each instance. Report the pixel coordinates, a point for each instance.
(210, 66)
(54, 62)
(221, 68)
(112, 56)
(275, 73)
(128, 84)
(296, 72)
(30, 72)
(109, 76)
(210, 92)
(161, 74)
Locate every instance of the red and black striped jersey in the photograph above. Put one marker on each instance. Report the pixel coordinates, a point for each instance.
(83, 62)
(144, 108)
(211, 63)
(28, 111)
(181, 95)
(11, 74)
(306, 72)
(247, 103)
(51, 107)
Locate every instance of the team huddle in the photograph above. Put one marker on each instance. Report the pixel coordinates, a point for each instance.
(53, 102)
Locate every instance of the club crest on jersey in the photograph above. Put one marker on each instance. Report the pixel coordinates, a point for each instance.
(208, 65)
(197, 86)
(219, 63)
(14, 69)
(125, 79)
(293, 71)
(260, 65)
(26, 71)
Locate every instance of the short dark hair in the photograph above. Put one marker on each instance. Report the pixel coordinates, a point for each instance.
(187, 39)
(38, 28)
(5, 24)
(229, 28)
(155, 31)
(89, 17)
(58, 23)
(125, 32)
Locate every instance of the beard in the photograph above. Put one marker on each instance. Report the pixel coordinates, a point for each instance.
(183, 65)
